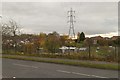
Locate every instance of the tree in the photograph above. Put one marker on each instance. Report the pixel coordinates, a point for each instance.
(29, 48)
(42, 39)
(81, 37)
(102, 42)
(110, 43)
(78, 37)
(117, 41)
(10, 29)
(53, 42)
(63, 39)
(87, 42)
(5, 29)
(14, 27)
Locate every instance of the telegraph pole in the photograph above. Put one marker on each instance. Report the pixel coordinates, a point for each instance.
(71, 23)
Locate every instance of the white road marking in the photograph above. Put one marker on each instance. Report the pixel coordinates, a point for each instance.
(81, 74)
(24, 65)
(63, 71)
(98, 76)
(88, 75)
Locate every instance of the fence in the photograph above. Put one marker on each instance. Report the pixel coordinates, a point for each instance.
(109, 53)
(101, 53)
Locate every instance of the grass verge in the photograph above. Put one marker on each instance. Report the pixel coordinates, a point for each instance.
(82, 64)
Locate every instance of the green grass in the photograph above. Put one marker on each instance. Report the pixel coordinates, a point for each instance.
(82, 64)
(101, 55)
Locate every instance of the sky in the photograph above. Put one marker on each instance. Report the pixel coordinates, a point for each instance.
(92, 18)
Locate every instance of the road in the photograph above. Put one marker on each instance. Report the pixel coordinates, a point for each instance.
(12, 68)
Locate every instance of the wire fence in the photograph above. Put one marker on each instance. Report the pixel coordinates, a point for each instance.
(100, 53)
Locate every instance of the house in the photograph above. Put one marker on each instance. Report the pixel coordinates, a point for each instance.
(106, 38)
(96, 38)
(115, 37)
(65, 49)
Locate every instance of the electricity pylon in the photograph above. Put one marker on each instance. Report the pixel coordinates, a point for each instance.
(71, 23)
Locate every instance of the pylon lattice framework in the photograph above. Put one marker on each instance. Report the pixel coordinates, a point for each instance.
(71, 23)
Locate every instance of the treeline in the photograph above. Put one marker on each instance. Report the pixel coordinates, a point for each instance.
(51, 42)
(31, 43)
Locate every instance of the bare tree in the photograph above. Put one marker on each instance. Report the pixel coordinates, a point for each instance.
(5, 29)
(14, 27)
(11, 28)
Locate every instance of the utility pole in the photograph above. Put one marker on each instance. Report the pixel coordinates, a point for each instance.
(89, 52)
(71, 23)
(115, 53)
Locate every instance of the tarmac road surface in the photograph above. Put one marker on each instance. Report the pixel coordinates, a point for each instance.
(12, 68)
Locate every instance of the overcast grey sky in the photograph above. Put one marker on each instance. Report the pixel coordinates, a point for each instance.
(91, 17)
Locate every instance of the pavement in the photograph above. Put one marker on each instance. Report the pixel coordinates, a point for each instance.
(12, 68)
